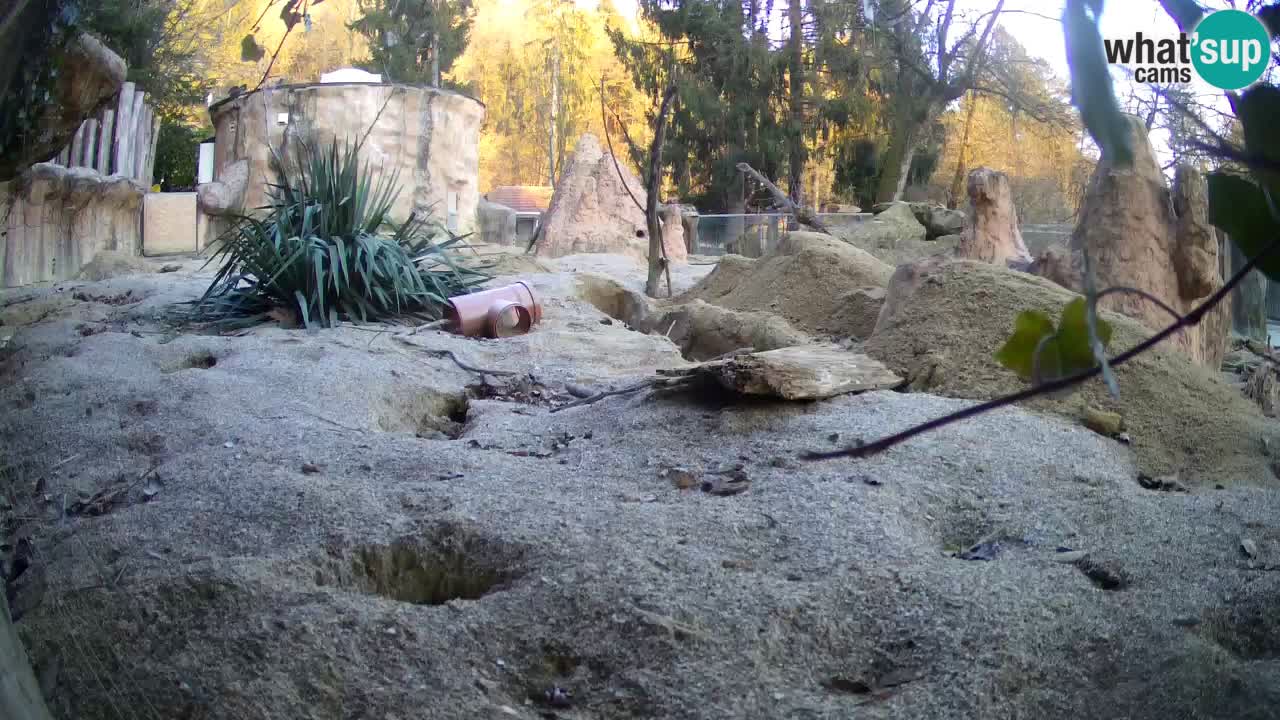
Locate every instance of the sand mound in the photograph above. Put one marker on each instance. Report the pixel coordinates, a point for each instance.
(110, 264)
(1181, 418)
(807, 280)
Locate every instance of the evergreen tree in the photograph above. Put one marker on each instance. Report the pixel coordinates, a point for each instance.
(414, 41)
(730, 83)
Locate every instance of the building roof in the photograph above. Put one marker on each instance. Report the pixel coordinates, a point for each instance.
(521, 198)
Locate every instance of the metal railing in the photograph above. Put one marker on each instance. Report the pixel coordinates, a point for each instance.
(753, 234)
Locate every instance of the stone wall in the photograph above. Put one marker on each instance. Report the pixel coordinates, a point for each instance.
(56, 219)
(431, 137)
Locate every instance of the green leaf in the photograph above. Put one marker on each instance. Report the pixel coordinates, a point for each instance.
(1257, 109)
(1238, 208)
(1073, 337)
(1063, 351)
(250, 50)
(1018, 352)
(1092, 91)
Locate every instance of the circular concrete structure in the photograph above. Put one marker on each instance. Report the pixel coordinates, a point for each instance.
(431, 137)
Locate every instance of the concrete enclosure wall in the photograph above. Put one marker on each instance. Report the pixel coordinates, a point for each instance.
(430, 137)
(57, 219)
(170, 224)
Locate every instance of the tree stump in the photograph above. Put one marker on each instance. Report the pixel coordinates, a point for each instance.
(992, 234)
(1141, 235)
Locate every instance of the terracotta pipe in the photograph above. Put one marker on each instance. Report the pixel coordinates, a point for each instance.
(500, 312)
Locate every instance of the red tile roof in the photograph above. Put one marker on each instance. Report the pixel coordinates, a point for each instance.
(521, 198)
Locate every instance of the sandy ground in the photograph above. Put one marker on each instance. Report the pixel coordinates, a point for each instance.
(338, 525)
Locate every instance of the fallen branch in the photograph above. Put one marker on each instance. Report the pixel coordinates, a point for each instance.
(449, 354)
(801, 214)
(1191, 319)
(654, 383)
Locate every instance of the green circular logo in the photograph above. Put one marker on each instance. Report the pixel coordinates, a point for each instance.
(1230, 49)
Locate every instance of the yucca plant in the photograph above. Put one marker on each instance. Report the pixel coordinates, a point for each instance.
(325, 249)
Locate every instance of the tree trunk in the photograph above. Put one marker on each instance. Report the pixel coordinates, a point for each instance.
(903, 143)
(19, 692)
(653, 185)
(435, 59)
(795, 180)
(957, 181)
(553, 110)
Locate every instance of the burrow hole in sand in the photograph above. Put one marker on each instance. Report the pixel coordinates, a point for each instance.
(1248, 629)
(425, 413)
(448, 563)
(199, 360)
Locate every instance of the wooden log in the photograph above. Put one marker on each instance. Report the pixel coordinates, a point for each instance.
(149, 173)
(120, 155)
(106, 142)
(142, 137)
(77, 147)
(802, 372)
(135, 120)
(90, 144)
(802, 215)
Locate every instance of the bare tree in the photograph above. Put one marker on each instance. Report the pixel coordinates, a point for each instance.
(932, 71)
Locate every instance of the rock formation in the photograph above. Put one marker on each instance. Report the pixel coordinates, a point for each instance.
(495, 223)
(592, 212)
(894, 227)
(936, 219)
(89, 73)
(1140, 235)
(62, 217)
(992, 234)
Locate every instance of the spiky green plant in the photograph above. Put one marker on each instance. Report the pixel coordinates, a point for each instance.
(326, 249)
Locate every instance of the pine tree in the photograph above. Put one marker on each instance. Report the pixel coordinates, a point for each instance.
(415, 41)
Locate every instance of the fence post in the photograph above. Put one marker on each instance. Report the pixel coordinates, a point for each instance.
(150, 170)
(119, 163)
(90, 143)
(77, 146)
(105, 144)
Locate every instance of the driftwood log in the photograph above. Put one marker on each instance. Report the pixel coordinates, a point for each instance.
(802, 214)
(802, 372)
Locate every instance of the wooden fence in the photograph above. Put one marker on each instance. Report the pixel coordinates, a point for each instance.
(121, 140)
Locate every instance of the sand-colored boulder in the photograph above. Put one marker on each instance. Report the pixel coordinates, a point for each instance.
(226, 195)
(953, 316)
(992, 233)
(593, 212)
(1140, 235)
(806, 280)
